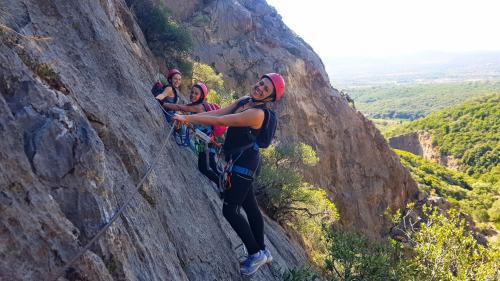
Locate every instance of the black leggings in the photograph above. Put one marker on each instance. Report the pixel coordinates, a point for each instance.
(241, 194)
(210, 170)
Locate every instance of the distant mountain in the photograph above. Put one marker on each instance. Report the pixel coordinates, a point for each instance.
(416, 100)
(420, 67)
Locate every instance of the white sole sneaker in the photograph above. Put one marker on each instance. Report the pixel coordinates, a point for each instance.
(256, 266)
(268, 256)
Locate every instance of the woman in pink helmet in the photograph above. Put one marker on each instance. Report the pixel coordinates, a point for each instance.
(198, 96)
(248, 120)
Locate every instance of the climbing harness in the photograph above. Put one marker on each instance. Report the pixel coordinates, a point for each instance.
(207, 144)
(202, 136)
(263, 139)
(230, 168)
(60, 272)
(181, 135)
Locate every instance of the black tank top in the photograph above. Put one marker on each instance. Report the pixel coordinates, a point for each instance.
(238, 137)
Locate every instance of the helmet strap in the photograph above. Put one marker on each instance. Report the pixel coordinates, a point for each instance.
(266, 100)
(270, 98)
(256, 103)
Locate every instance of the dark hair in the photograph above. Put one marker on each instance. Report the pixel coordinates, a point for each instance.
(201, 98)
(169, 79)
(273, 95)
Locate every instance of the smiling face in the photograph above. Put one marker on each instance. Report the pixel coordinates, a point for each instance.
(176, 80)
(262, 89)
(195, 94)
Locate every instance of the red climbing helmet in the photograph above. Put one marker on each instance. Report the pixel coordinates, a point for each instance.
(203, 88)
(278, 83)
(172, 72)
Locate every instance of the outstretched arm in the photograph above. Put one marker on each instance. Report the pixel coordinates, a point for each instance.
(186, 108)
(223, 111)
(249, 118)
(166, 93)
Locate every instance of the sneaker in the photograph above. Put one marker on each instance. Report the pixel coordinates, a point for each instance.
(266, 252)
(268, 256)
(252, 263)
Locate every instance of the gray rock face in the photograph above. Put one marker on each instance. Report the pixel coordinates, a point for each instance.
(78, 129)
(421, 143)
(244, 39)
(407, 142)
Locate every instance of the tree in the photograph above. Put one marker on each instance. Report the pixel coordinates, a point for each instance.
(217, 93)
(291, 201)
(282, 182)
(442, 249)
(206, 74)
(166, 38)
(352, 257)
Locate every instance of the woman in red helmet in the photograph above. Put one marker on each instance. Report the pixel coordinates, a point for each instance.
(170, 93)
(206, 163)
(246, 119)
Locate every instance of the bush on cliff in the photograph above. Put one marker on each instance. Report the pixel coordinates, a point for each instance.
(281, 176)
(468, 195)
(435, 248)
(217, 92)
(166, 38)
(443, 249)
(291, 201)
(352, 256)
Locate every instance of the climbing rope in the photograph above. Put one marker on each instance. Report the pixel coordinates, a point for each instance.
(60, 272)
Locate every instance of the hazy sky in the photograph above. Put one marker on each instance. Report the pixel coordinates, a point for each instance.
(339, 28)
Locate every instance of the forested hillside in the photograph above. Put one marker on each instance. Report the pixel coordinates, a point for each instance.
(410, 102)
(476, 198)
(470, 132)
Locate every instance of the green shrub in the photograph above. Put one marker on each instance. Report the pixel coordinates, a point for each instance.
(166, 38)
(352, 256)
(281, 176)
(434, 177)
(494, 211)
(223, 98)
(437, 247)
(206, 74)
(479, 201)
(296, 274)
(444, 250)
(217, 92)
(291, 201)
(470, 196)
